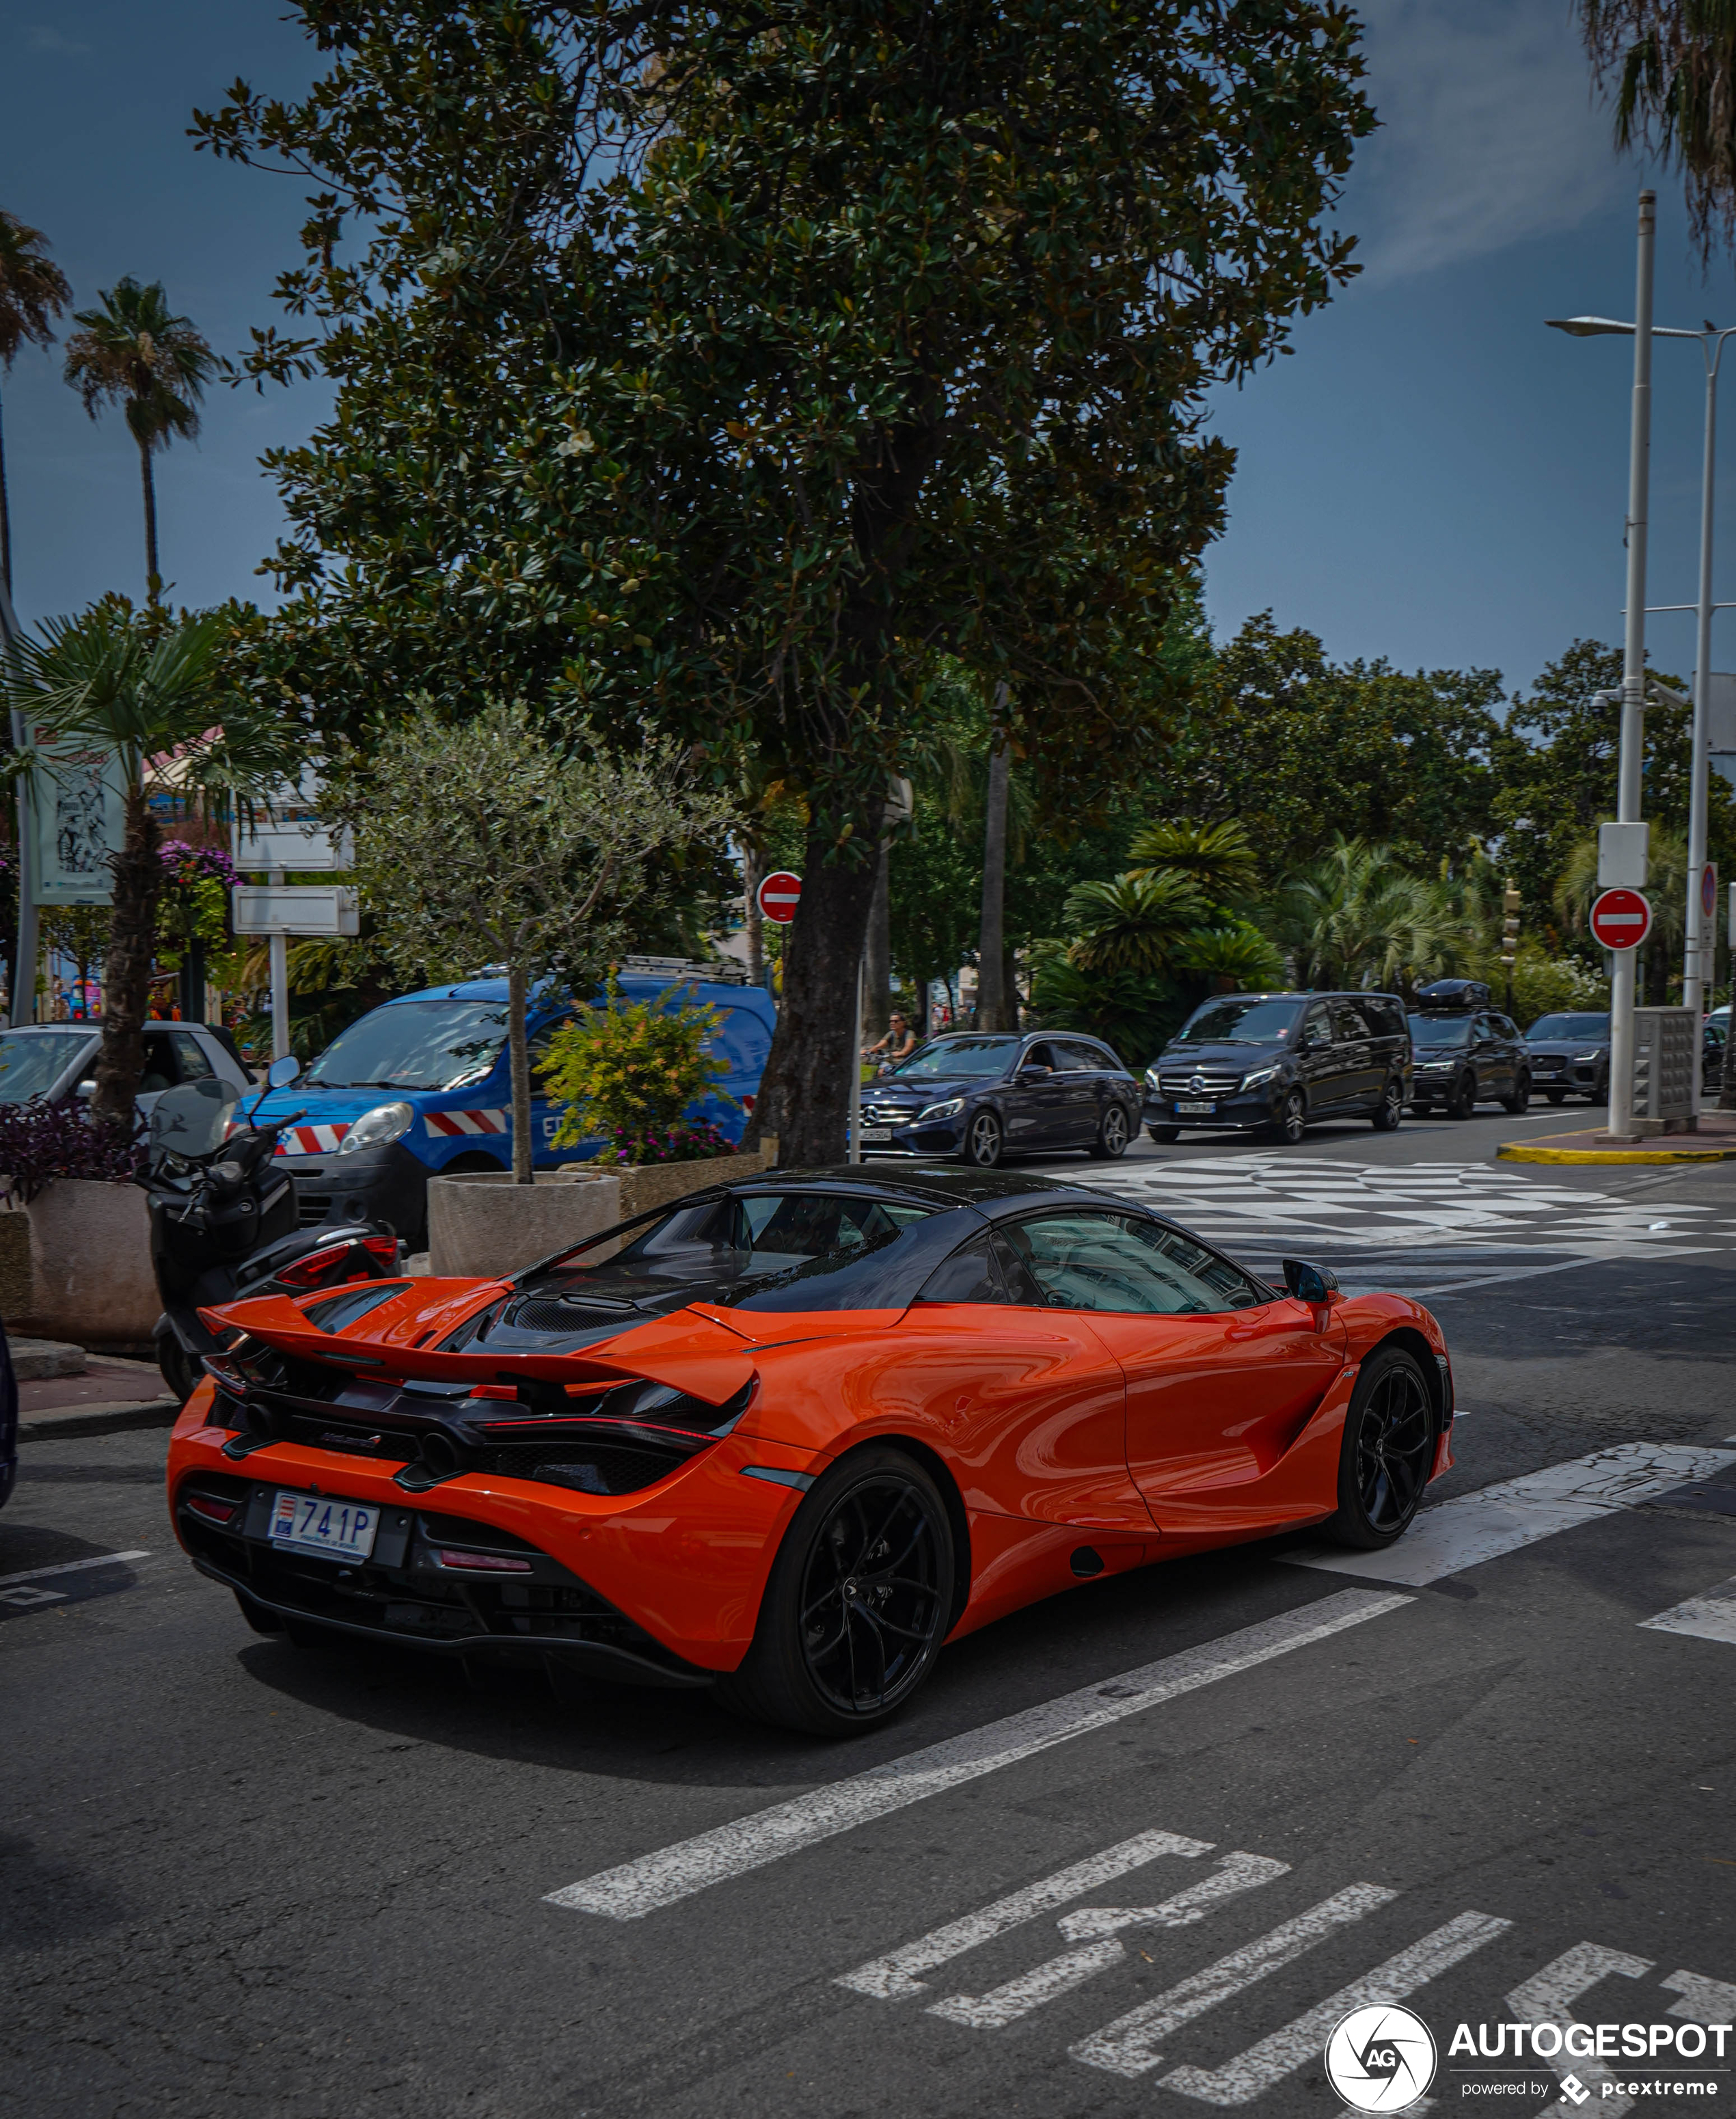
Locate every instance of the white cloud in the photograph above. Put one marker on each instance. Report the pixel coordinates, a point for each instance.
(1489, 133)
(43, 37)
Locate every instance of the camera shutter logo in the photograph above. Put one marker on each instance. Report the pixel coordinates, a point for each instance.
(1380, 2058)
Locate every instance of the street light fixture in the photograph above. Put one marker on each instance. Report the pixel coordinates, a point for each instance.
(1695, 977)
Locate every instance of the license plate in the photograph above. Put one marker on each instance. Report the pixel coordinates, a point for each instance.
(877, 1133)
(1194, 1108)
(309, 1522)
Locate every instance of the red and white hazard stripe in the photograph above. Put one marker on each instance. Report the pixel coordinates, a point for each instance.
(311, 1139)
(455, 1122)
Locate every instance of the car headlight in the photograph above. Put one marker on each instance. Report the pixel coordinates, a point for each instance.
(1152, 1081)
(1580, 1058)
(1259, 1075)
(374, 1128)
(949, 1109)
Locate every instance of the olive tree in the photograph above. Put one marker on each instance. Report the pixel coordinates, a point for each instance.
(488, 842)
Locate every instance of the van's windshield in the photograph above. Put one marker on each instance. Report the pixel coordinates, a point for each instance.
(414, 1044)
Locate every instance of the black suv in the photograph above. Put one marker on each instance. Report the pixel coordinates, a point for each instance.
(1570, 1056)
(1467, 1056)
(984, 1094)
(1276, 1062)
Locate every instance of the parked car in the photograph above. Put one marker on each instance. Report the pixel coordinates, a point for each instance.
(1466, 1058)
(1276, 1062)
(981, 1094)
(1716, 1031)
(422, 1087)
(55, 1060)
(1570, 1056)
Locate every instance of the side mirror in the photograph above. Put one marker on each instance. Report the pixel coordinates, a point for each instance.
(86, 1090)
(281, 1073)
(1309, 1283)
(1034, 1073)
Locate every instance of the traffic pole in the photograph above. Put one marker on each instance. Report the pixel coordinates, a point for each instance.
(854, 1152)
(278, 947)
(26, 952)
(1633, 660)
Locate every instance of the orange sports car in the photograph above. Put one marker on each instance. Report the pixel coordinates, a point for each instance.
(787, 1436)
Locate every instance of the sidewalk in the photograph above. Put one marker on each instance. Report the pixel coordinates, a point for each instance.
(64, 1391)
(1715, 1142)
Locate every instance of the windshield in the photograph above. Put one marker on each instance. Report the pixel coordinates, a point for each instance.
(31, 1062)
(1439, 1030)
(1570, 1026)
(414, 1044)
(1251, 1021)
(193, 1120)
(959, 1055)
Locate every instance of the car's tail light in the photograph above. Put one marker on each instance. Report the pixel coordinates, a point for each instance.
(483, 1563)
(494, 1390)
(210, 1506)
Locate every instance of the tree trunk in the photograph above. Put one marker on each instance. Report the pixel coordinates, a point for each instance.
(153, 576)
(804, 1093)
(1010, 986)
(126, 971)
(752, 918)
(876, 1001)
(991, 970)
(517, 994)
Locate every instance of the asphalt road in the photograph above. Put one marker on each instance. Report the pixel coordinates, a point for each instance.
(240, 1878)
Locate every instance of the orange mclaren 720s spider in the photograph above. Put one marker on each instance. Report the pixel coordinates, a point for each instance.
(786, 1437)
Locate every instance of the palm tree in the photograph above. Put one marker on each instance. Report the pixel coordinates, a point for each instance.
(131, 352)
(139, 688)
(1672, 63)
(1359, 917)
(1217, 856)
(1135, 924)
(33, 291)
(1666, 887)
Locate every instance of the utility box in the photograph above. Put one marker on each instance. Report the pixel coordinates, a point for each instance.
(1666, 1053)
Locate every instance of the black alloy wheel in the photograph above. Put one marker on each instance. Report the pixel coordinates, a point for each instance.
(858, 1601)
(1516, 1104)
(1292, 1121)
(1388, 1449)
(1462, 1098)
(984, 1140)
(1113, 1134)
(1164, 1135)
(1390, 1111)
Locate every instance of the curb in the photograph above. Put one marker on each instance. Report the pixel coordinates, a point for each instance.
(1537, 1151)
(100, 1419)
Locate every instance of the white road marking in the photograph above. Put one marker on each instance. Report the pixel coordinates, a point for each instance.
(1253, 2073)
(891, 1978)
(1006, 2004)
(1549, 1997)
(70, 1567)
(1704, 2001)
(1710, 1617)
(1473, 1528)
(1130, 2046)
(673, 1873)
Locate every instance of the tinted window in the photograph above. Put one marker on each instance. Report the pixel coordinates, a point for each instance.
(1239, 1021)
(1042, 1055)
(194, 1061)
(159, 1064)
(1317, 1029)
(1504, 1026)
(1350, 1023)
(1581, 1026)
(970, 1275)
(415, 1045)
(1077, 1057)
(984, 1056)
(1114, 1261)
(1385, 1018)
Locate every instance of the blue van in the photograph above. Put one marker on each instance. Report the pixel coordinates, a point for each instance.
(423, 1086)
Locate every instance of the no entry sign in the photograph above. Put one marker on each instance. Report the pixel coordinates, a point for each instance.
(779, 896)
(1621, 919)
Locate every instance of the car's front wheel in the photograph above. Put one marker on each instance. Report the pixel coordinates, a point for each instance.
(1462, 1098)
(1292, 1121)
(857, 1602)
(984, 1140)
(1390, 1111)
(1112, 1135)
(1388, 1446)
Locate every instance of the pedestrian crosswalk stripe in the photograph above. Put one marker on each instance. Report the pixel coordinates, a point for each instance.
(1710, 1616)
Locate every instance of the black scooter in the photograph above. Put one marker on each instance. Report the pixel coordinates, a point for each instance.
(223, 1221)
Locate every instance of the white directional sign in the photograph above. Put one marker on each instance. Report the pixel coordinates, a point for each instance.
(289, 834)
(295, 908)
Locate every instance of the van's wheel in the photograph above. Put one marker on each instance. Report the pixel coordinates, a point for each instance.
(1292, 1121)
(857, 1602)
(1390, 1111)
(1112, 1135)
(1162, 1135)
(1388, 1446)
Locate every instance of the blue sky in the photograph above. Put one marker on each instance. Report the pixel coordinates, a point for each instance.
(1433, 477)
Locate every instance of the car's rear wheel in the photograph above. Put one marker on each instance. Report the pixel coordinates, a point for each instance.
(1112, 1133)
(857, 1602)
(1390, 1111)
(1388, 1447)
(178, 1368)
(1162, 1135)
(984, 1140)
(1519, 1102)
(1292, 1121)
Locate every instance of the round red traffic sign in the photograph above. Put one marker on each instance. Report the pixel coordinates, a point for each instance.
(1621, 919)
(779, 896)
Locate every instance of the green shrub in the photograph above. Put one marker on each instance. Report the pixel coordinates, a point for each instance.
(629, 1069)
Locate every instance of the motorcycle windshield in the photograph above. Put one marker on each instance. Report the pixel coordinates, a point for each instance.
(193, 1120)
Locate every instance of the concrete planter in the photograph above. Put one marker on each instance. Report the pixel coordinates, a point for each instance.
(90, 1280)
(480, 1223)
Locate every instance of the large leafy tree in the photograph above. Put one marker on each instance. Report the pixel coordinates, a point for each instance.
(139, 687)
(33, 291)
(133, 352)
(725, 361)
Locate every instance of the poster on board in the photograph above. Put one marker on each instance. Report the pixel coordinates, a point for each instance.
(78, 809)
